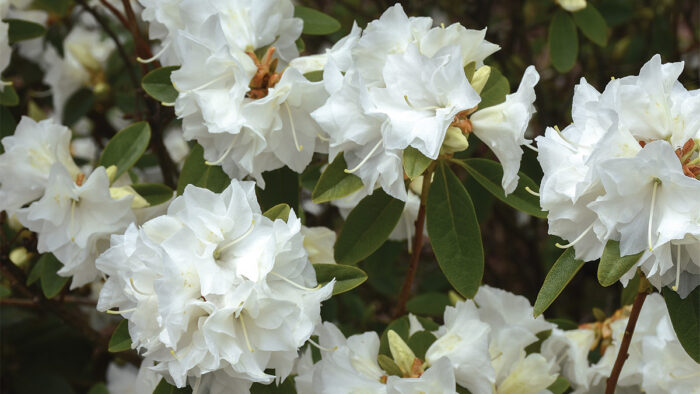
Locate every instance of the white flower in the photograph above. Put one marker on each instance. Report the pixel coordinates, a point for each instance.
(571, 349)
(163, 17)
(319, 243)
(531, 374)
(74, 220)
(85, 58)
(438, 379)
(502, 127)
(29, 155)
(339, 54)
(464, 340)
(471, 42)
(215, 292)
(128, 379)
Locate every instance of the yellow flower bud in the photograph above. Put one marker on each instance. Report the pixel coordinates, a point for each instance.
(125, 191)
(20, 256)
(111, 172)
(480, 77)
(402, 354)
(455, 141)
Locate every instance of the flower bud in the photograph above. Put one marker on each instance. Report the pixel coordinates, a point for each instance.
(455, 141)
(480, 77)
(572, 5)
(111, 172)
(402, 354)
(454, 297)
(19, 256)
(125, 191)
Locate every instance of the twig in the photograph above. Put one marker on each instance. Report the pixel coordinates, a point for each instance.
(115, 12)
(627, 339)
(417, 244)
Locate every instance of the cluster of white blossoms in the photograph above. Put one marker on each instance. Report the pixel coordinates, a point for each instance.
(627, 169)
(481, 349)
(73, 213)
(215, 293)
(657, 362)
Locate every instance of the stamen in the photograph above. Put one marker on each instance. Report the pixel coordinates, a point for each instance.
(532, 147)
(245, 333)
(203, 86)
(692, 375)
(568, 141)
(119, 312)
(72, 216)
(164, 104)
(497, 356)
(322, 138)
(133, 286)
(294, 132)
(430, 108)
(534, 193)
(174, 355)
(218, 251)
(366, 158)
(295, 284)
(678, 268)
(560, 246)
(155, 57)
(228, 150)
(325, 349)
(651, 212)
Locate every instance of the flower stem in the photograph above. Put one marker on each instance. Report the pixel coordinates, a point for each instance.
(418, 240)
(627, 339)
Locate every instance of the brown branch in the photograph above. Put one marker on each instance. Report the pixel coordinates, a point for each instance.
(418, 240)
(115, 12)
(622, 354)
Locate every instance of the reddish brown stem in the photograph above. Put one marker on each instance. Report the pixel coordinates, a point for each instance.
(116, 13)
(418, 240)
(627, 339)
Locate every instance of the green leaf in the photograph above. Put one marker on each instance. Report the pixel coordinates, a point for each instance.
(564, 324)
(120, 340)
(20, 30)
(420, 342)
(592, 24)
(154, 193)
(35, 273)
(367, 227)
(561, 384)
(385, 273)
(8, 96)
(612, 266)
(4, 291)
(563, 41)
(196, 172)
(281, 187)
(495, 90)
(400, 326)
(414, 162)
(164, 387)
(316, 22)
(51, 283)
(685, 317)
(489, 174)
(158, 85)
(431, 304)
(126, 147)
(314, 76)
(7, 125)
(388, 365)
(98, 388)
(469, 70)
(286, 387)
(630, 291)
(346, 277)
(335, 183)
(77, 106)
(454, 232)
(59, 7)
(558, 277)
(279, 211)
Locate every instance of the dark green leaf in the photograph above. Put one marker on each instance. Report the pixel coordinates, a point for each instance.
(561, 384)
(431, 304)
(196, 172)
(4, 291)
(685, 316)
(384, 273)
(51, 283)
(167, 388)
(592, 24)
(495, 90)
(612, 266)
(401, 326)
(420, 342)
(388, 365)
(279, 211)
(59, 7)
(564, 324)
(281, 187)
(286, 387)
(126, 147)
(414, 162)
(335, 183)
(77, 106)
(346, 277)
(120, 340)
(309, 178)
(314, 76)
(154, 193)
(489, 174)
(558, 277)
(316, 22)
(20, 30)
(8, 96)
(469, 70)
(563, 41)
(35, 273)
(630, 291)
(454, 232)
(367, 227)
(98, 388)
(7, 125)
(158, 85)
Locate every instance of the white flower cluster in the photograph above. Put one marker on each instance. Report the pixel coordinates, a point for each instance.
(73, 213)
(400, 83)
(215, 292)
(479, 348)
(628, 170)
(657, 362)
